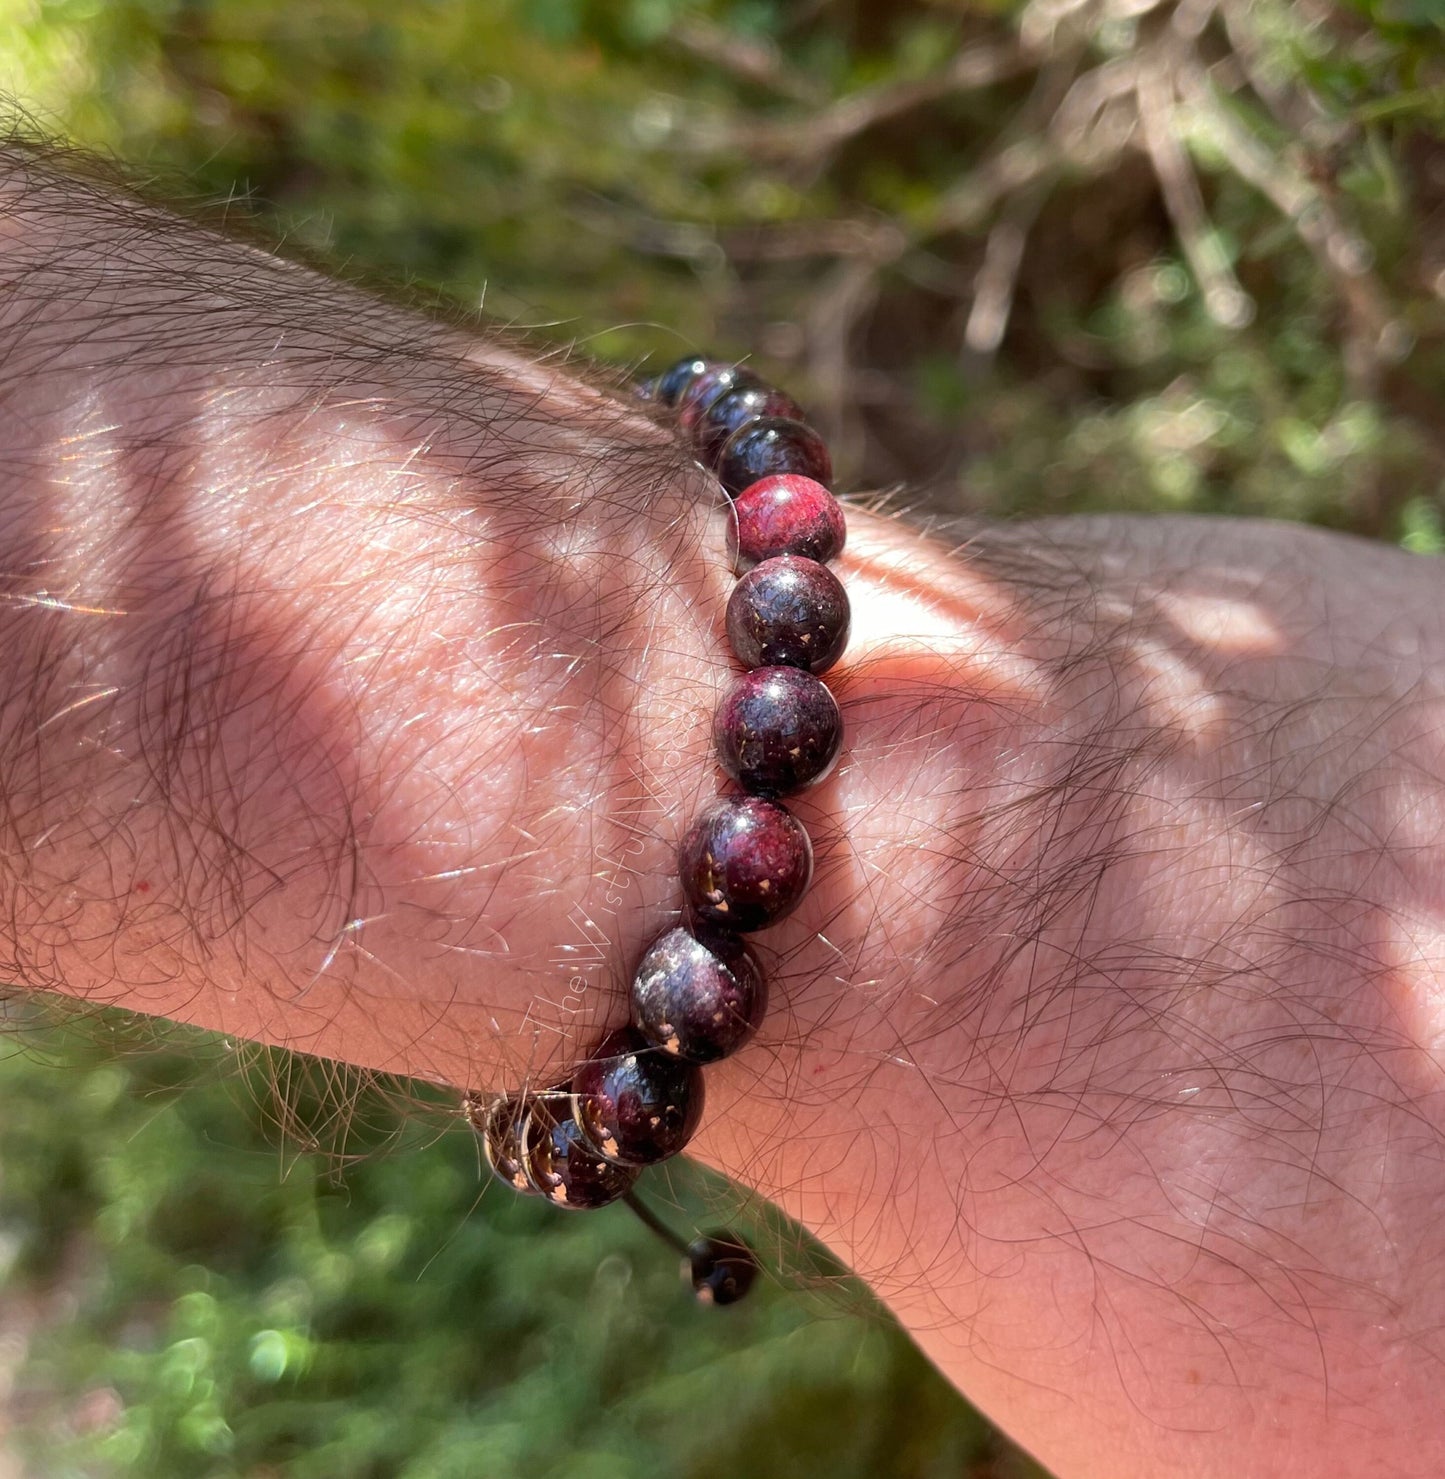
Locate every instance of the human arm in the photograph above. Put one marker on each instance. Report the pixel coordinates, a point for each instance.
(357, 675)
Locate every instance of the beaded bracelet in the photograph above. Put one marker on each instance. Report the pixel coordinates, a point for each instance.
(698, 993)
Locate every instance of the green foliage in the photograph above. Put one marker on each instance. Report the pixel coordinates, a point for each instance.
(1248, 319)
(213, 1307)
(604, 168)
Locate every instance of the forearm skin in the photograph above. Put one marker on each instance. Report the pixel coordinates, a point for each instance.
(357, 675)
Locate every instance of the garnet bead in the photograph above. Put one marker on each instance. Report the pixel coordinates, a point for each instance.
(734, 409)
(703, 390)
(745, 863)
(498, 1124)
(772, 445)
(670, 385)
(788, 611)
(563, 1167)
(786, 515)
(635, 1103)
(721, 1268)
(699, 998)
(777, 731)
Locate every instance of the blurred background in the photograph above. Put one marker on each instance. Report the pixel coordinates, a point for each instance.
(1018, 259)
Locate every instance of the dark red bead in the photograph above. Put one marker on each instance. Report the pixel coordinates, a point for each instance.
(676, 378)
(777, 731)
(636, 1103)
(562, 1166)
(734, 409)
(745, 863)
(703, 390)
(498, 1123)
(720, 1267)
(788, 611)
(700, 996)
(787, 515)
(772, 445)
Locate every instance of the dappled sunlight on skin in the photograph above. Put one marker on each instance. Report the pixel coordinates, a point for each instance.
(1097, 1045)
(1186, 1179)
(1058, 1038)
(1195, 630)
(1175, 695)
(1221, 624)
(324, 573)
(1420, 951)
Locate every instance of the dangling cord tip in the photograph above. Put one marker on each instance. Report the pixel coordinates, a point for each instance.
(720, 1267)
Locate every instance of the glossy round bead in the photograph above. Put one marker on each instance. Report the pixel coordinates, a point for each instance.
(698, 998)
(704, 389)
(498, 1123)
(670, 385)
(772, 445)
(736, 408)
(786, 515)
(745, 863)
(790, 612)
(562, 1166)
(635, 1103)
(778, 730)
(721, 1268)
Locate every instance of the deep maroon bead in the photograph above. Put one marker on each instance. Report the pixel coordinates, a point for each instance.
(721, 1268)
(702, 390)
(676, 377)
(786, 515)
(790, 612)
(498, 1123)
(636, 1103)
(562, 1166)
(772, 444)
(698, 995)
(745, 863)
(734, 409)
(778, 730)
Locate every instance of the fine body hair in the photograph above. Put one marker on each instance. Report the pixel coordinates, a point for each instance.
(1056, 1013)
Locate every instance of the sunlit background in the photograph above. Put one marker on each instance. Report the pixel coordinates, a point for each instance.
(1017, 259)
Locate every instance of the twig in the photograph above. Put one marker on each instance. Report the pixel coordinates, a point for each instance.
(751, 60)
(1345, 259)
(998, 277)
(1342, 253)
(845, 296)
(811, 138)
(879, 241)
(1003, 254)
(1090, 95)
(1290, 109)
(1225, 300)
(967, 204)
